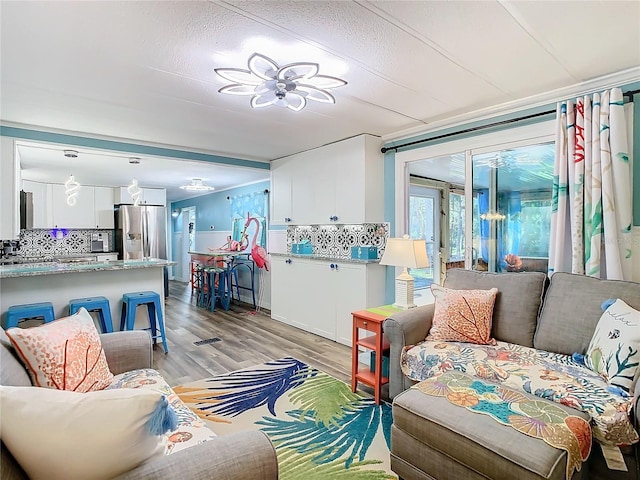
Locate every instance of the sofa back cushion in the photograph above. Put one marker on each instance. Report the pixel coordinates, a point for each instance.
(515, 311)
(572, 308)
(13, 371)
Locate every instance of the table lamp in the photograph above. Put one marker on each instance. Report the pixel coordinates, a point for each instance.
(407, 253)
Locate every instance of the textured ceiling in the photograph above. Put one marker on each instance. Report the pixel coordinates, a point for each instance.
(144, 70)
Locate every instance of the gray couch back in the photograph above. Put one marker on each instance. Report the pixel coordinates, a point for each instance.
(572, 308)
(515, 312)
(12, 372)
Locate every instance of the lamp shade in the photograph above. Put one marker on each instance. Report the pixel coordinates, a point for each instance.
(405, 252)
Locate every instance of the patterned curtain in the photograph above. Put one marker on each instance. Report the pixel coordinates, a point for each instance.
(591, 215)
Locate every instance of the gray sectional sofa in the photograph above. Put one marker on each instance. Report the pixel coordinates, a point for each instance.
(433, 439)
(241, 456)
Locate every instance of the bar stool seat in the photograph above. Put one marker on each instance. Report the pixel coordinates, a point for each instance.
(16, 313)
(94, 304)
(131, 301)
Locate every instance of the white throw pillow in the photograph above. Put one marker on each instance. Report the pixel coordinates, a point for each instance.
(614, 351)
(59, 434)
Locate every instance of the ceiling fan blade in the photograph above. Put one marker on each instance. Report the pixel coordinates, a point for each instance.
(294, 71)
(262, 66)
(260, 101)
(296, 102)
(266, 86)
(324, 82)
(316, 94)
(236, 89)
(238, 75)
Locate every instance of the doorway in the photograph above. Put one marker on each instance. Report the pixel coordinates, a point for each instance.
(188, 244)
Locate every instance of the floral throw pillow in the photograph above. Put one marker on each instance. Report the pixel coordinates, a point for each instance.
(462, 315)
(615, 345)
(65, 354)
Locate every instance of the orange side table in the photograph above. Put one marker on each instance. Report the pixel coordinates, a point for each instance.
(371, 321)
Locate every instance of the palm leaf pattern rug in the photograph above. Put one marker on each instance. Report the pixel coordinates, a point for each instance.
(321, 430)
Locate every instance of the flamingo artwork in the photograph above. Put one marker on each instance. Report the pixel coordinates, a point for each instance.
(258, 253)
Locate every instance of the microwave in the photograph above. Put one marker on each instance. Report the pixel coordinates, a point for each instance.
(99, 242)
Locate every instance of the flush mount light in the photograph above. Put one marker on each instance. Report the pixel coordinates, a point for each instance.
(289, 86)
(134, 160)
(197, 185)
(71, 154)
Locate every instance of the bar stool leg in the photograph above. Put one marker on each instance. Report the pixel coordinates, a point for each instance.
(123, 316)
(158, 310)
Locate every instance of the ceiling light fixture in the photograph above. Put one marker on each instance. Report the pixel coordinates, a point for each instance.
(135, 191)
(134, 160)
(289, 86)
(71, 154)
(197, 185)
(71, 188)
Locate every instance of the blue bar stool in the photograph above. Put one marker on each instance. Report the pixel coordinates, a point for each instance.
(130, 303)
(17, 313)
(218, 281)
(94, 304)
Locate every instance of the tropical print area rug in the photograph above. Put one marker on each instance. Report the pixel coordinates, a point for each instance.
(321, 430)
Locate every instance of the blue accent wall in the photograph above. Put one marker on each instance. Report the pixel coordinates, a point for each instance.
(213, 208)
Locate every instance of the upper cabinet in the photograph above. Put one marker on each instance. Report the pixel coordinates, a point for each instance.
(9, 190)
(93, 207)
(338, 183)
(148, 196)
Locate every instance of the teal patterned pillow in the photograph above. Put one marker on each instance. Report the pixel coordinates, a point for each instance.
(614, 348)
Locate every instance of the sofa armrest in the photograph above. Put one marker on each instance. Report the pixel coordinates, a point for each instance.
(402, 329)
(240, 456)
(128, 350)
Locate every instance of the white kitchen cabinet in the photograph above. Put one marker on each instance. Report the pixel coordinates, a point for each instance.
(337, 183)
(80, 215)
(103, 207)
(9, 190)
(42, 203)
(311, 295)
(286, 298)
(148, 196)
(281, 184)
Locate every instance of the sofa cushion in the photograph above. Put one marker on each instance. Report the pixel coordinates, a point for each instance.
(551, 376)
(515, 311)
(65, 354)
(469, 439)
(614, 350)
(190, 431)
(12, 371)
(572, 309)
(462, 315)
(59, 434)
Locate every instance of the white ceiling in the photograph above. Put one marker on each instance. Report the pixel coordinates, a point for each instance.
(143, 71)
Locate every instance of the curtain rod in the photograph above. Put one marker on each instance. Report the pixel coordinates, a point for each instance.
(629, 94)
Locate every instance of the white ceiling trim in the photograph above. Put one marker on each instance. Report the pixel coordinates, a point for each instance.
(617, 79)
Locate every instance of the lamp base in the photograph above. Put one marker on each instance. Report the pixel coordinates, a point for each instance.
(404, 291)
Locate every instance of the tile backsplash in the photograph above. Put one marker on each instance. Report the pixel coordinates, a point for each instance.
(336, 240)
(57, 242)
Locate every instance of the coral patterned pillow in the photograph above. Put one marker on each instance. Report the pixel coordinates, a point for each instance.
(65, 354)
(462, 315)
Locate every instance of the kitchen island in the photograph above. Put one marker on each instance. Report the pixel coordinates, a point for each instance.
(60, 282)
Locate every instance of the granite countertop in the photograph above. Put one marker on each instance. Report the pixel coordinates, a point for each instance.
(325, 259)
(51, 268)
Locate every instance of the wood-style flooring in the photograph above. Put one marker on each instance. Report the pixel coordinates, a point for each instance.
(247, 339)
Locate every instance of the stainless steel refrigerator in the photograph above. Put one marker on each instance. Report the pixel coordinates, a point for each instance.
(141, 232)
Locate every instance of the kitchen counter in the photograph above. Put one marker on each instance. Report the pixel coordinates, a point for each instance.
(53, 268)
(326, 259)
(59, 283)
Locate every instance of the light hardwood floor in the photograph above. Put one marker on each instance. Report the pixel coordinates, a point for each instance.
(247, 339)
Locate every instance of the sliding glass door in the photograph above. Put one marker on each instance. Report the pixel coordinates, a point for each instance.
(424, 224)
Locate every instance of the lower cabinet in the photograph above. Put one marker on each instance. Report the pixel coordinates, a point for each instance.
(319, 295)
